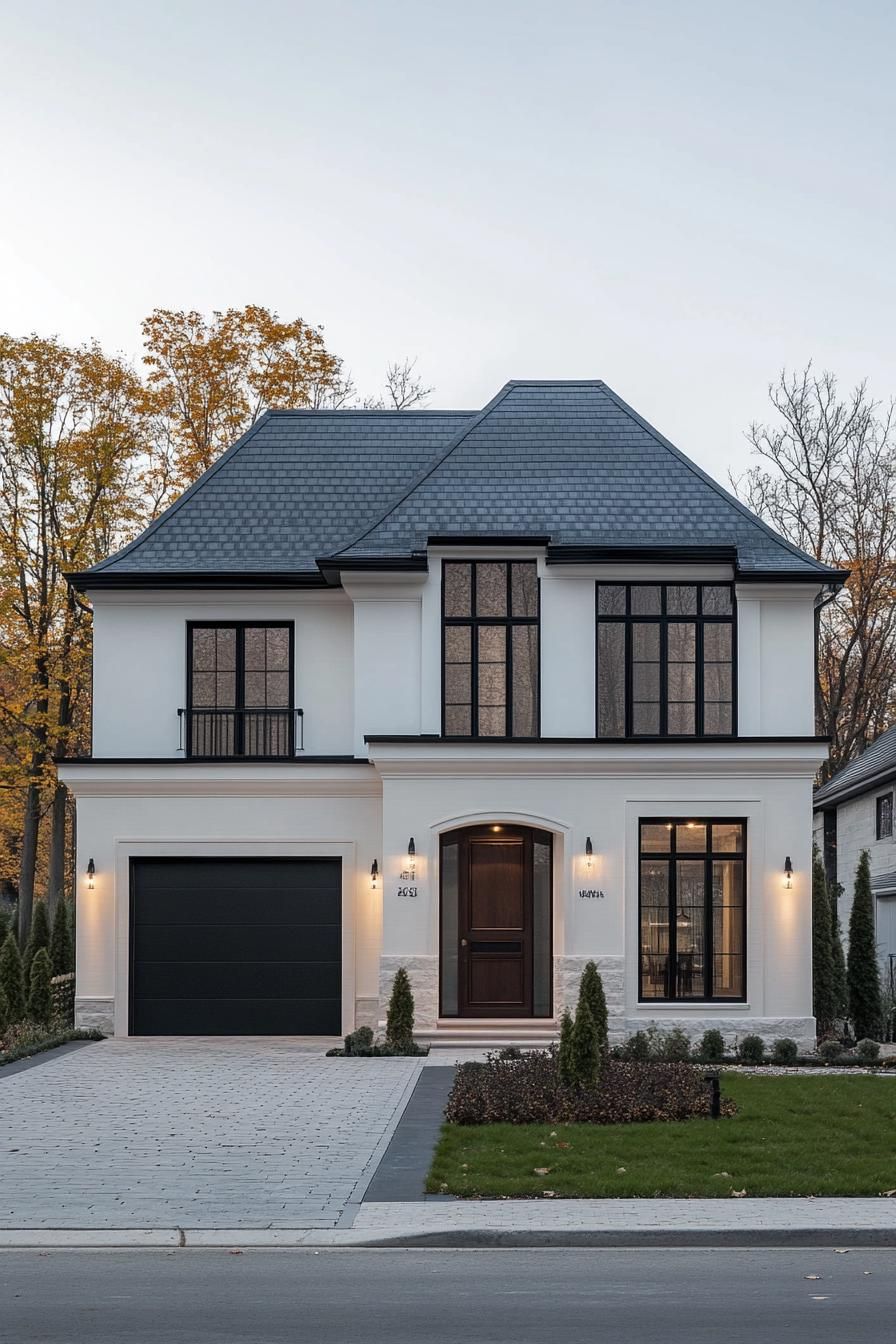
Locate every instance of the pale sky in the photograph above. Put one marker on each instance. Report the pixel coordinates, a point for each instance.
(677, 196)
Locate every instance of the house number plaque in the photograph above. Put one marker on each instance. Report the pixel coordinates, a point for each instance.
(591, 894)
(409, 877)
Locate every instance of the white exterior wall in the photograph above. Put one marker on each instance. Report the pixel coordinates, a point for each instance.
(368, 661)
(140, 664)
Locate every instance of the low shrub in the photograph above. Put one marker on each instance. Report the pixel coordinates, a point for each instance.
(867, 1050)
(636, 1049)
(674, 1046)
(528, 1090)
(359, 1041)
(830, 1051)
(785, 1051)
(751, 1050)
(30, 1038)
(711, 1049)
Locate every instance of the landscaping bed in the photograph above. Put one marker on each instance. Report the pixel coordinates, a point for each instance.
(31, 1038)
(789, 1136)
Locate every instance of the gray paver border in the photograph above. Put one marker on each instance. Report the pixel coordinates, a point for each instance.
(353, 1203)
(401, 1174)
(42, 1057)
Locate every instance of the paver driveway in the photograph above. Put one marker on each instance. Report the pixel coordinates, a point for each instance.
(255, 1132)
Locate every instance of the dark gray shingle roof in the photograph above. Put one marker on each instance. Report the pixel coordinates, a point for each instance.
(876, 764)
(295, 487)
(568, 460)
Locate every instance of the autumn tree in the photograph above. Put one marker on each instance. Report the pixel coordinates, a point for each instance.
(826, 479)
(70, 459)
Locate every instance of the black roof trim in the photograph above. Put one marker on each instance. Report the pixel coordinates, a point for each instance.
(195, 578)
(485, 539)
(210, 760)
(373, 738)
(827, 577)
(333, 565)
(826, 802)
(641, 555)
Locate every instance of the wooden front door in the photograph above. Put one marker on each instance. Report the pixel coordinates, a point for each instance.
(495, 923)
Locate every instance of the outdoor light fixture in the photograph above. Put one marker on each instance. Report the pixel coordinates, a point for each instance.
(374, 874)
(589, 851)
(788, 873)
(412, 859)
(91, 871)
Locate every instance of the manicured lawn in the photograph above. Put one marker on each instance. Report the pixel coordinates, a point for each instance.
(791, 1136)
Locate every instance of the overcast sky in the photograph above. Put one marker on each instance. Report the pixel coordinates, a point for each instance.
(675, 196)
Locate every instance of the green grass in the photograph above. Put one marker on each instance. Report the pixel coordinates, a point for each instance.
(791, 1136)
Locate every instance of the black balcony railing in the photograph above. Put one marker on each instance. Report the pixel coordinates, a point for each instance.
(232, 734)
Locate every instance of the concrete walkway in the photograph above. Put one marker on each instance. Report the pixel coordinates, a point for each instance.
(153, 1133)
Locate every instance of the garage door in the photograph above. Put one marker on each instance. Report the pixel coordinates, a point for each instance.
(236, 947)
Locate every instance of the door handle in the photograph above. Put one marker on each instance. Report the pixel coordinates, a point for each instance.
(463, 942)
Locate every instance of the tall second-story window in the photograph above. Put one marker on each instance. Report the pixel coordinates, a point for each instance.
(490, 648)
(240, 690)
(665, 660)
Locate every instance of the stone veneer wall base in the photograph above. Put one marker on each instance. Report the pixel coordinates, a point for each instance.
(423, 973)
(568, 974)
(95, 1015)
(733, 1029)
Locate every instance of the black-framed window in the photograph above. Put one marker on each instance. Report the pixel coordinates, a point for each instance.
(240, 678)
(665, 660)
(490, 648)
(692, 910)
(885, 816)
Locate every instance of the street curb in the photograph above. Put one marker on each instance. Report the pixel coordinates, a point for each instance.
(448, 1238)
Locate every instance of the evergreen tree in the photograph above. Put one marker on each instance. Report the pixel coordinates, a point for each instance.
(565, 1067)
(838, 957)
(5, 924)
(40, 996)
(585, 1055)
(4, 1012)
(591, 991)
(400, 1017)
(862, 969)
(11, 981)
(823, 1005)
(38, 937)
(62, 956)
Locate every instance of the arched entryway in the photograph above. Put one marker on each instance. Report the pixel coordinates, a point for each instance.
(495, 922)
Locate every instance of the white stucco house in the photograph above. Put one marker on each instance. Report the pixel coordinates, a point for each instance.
(484, 694)
(854, 811)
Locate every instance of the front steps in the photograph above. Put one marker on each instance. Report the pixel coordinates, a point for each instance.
(490, 1033)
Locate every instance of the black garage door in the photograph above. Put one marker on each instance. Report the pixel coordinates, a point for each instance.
(236, 947)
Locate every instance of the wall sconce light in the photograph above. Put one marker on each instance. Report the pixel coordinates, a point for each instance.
(91, 872)
(412, 857)
(374, 874)
(788, 873)
(589, 852)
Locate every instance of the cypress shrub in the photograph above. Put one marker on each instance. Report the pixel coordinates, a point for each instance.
(823, 1005)
(62, 953)
(838, 957)
(11, 981)
(585, 1054)
(591, 991)
(712, 1047)
(40, 997)
(400, 1017)
(4, 1012)
(38, 938)
(862, 970)
(564, 1054)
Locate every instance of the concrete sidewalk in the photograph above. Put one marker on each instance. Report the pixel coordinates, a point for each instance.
(840, 1223)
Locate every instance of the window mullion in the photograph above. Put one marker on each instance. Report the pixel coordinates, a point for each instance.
(673, 919)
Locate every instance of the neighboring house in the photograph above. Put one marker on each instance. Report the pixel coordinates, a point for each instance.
(482, 694)
(854, 811)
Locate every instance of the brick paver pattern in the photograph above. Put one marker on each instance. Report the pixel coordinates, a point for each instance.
(254, 1133)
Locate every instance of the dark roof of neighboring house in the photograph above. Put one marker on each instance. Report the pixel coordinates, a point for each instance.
(565, 461)
(875, 766)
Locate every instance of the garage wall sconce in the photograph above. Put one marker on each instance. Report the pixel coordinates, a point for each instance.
(589, 853)
(91, 873)
(788, 873)
(374, 874)
(412, 858)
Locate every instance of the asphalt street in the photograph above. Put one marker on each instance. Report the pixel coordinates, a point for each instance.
(412, 1297)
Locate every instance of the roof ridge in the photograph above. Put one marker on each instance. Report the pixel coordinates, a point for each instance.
(712, 483)
(428, 470)
(365, 410)
(172, 508)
